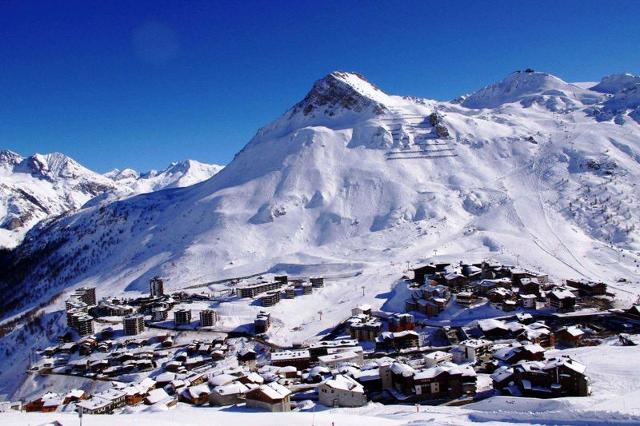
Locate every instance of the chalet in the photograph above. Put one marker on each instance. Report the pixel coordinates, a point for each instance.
(517, 352)
(555, 377)
(247, 357)
(485, 286)
(95, 405)
(455, 280)
(518, 274)
(528, 301)
(307, 288)
(536, 332)
(472, 272)
(444, 381)
(499, 295)
(74, 395)
(196, 395)
(530, 285)
(300, 359)
(271, 397)
(48, 403)
(399, 377)
(370, 380)
(342, 391)
(104, 402)
(134, 395)
(229, 394)
(570, 375)
(509, 305)
(494, 329)
(524, 318)
(160, 397)
(588, 288)
(397, 340)
(562, 299)
(570, 336)
(421, 272)
(465, 298)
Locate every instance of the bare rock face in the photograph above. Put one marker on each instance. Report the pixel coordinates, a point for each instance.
(336, 91)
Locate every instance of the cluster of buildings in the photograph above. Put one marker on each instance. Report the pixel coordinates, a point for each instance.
(77, 309)
(270, 293)
(387, 357)
(83, 309)
(505, 287)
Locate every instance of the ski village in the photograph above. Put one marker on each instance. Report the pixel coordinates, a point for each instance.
(163, 349)
(366, 257)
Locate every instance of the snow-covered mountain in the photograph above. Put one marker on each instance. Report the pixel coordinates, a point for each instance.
(44, 186)
(528, 168)
(176, 175)
(40, 187)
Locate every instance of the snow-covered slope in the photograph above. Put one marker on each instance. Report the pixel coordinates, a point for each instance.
(520, 169)
(45, 186)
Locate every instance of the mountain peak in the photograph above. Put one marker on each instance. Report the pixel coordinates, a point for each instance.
(615, 83)
(9, 158)
(517, 87)
(340, 91)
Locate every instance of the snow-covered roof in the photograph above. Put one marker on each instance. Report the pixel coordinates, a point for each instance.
(221, 379)
(562, 293)
(438, 355)
(93, 403)
(157, 395)
(231, 389)
(492, 324)
(167, 376)
(567, 362)
(574, 331)
(197, 390)
(475, 343)
(337, 357)
(403, 369)
(75, 393)
(273, 391)
(341, 382)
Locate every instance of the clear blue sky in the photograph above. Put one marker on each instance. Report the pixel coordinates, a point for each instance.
(141, 83)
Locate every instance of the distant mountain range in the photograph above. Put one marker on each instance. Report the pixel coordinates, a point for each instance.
(41, 187)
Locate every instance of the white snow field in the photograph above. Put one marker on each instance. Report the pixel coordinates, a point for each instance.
(357, 185)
